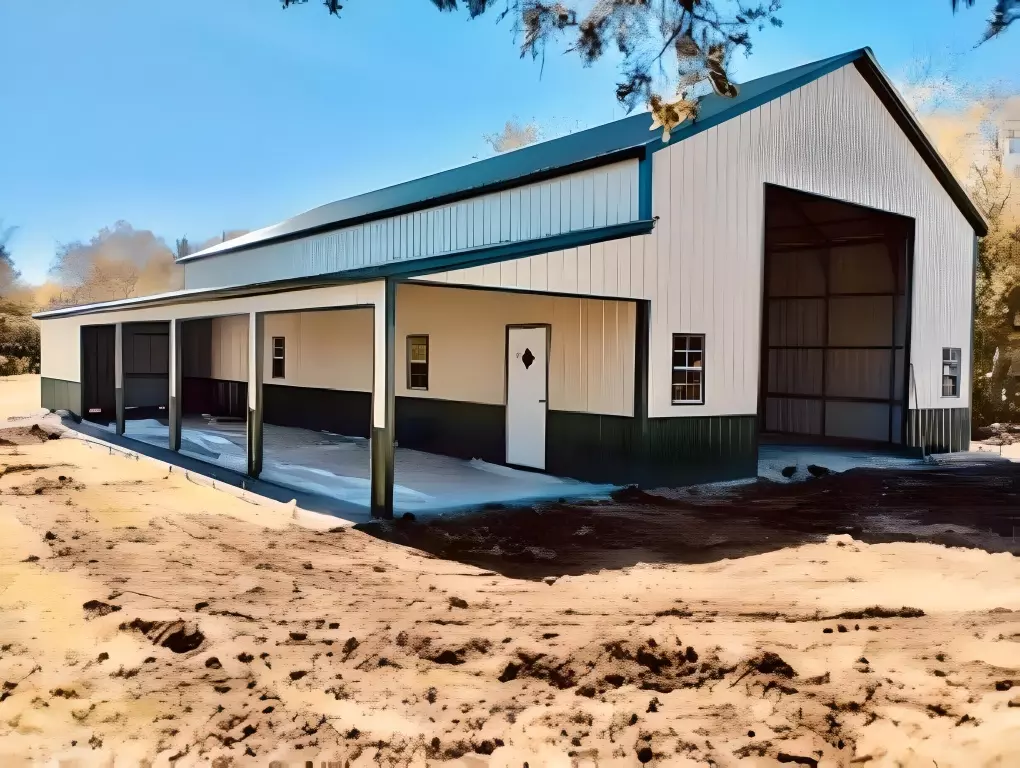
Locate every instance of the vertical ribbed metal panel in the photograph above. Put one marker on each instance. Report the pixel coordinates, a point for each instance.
(593, 198)
(939, 430)
(701, 266)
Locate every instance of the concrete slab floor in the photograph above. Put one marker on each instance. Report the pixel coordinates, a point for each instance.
(339, 467)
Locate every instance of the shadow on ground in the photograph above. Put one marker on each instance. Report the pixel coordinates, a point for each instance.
(974, 506)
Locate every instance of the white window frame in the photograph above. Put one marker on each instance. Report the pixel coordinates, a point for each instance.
(282, 357)
(952, 365)
(687, 367)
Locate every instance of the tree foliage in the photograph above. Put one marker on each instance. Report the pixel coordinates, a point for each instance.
(116, 263)
(997, 298)
(1004, 13)
(514, 135)
(963, 119)
(8, 274)
(671, 50)
(19, 335)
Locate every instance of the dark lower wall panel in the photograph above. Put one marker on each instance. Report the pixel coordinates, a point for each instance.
(461, 430)
(939, 430)
(590, 447)
(61, 395)
(667, 452)
(332, 410)
(216, 397)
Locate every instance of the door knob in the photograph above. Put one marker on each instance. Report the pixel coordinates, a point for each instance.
(542, 400)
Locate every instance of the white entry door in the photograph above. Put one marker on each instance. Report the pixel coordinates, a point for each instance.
(526, 394)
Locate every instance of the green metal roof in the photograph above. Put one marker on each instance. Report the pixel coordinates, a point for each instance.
(627, 138)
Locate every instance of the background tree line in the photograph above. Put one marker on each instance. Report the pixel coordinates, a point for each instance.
(118, 262)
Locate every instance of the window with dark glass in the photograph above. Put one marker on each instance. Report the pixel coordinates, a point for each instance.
(418, 362)
(950, 372)
(279, 355)
(688, 369)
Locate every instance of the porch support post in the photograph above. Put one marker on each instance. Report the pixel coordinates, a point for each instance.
(641, 362)
(118, 376)
(174, 406)
(383, 401)
(256, 362)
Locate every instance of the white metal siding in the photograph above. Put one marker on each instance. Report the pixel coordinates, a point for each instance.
(229, 354)
(61, 336)
(324, 349)
(591, 361)
(701, 267)
(60, 342)
(594, 198)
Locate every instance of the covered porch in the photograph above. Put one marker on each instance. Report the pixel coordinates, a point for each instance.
(391, 396)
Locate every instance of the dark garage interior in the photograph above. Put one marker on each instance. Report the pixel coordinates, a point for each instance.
(146, 371)
(835, 357)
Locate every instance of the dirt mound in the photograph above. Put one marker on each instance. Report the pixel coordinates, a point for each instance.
(27, 435)
(601, 668)
(773, 668)
(12, 469)
(96, 608)
(878, 612)
(42, 486)
(179, 636)
(439, 654)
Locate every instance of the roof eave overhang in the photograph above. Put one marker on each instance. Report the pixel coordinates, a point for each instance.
(395, 270)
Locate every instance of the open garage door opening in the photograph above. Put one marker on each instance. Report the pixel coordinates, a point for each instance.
(835, 341)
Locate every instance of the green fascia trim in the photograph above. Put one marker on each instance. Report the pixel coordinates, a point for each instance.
(645, 186)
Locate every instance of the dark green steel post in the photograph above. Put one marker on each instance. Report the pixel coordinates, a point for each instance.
(383, 403)
(256, 363)
(641, 362)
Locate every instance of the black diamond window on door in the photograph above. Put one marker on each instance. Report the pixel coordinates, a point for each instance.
(527, 358)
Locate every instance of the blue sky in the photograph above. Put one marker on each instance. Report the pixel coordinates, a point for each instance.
(190, 117)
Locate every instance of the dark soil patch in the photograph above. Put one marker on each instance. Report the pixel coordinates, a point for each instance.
(877, 612)
(783, 757)
(96, 608)
(602, 667)
(27, 435)
(637, 526)
(178, 636)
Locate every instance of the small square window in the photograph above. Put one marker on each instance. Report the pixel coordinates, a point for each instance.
(950, 372)
(279, 357)
(688, 369)
(418, 362)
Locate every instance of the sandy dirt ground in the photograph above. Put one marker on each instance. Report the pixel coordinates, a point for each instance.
(146, 619)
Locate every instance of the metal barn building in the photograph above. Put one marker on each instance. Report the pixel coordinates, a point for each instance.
(799, 261)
